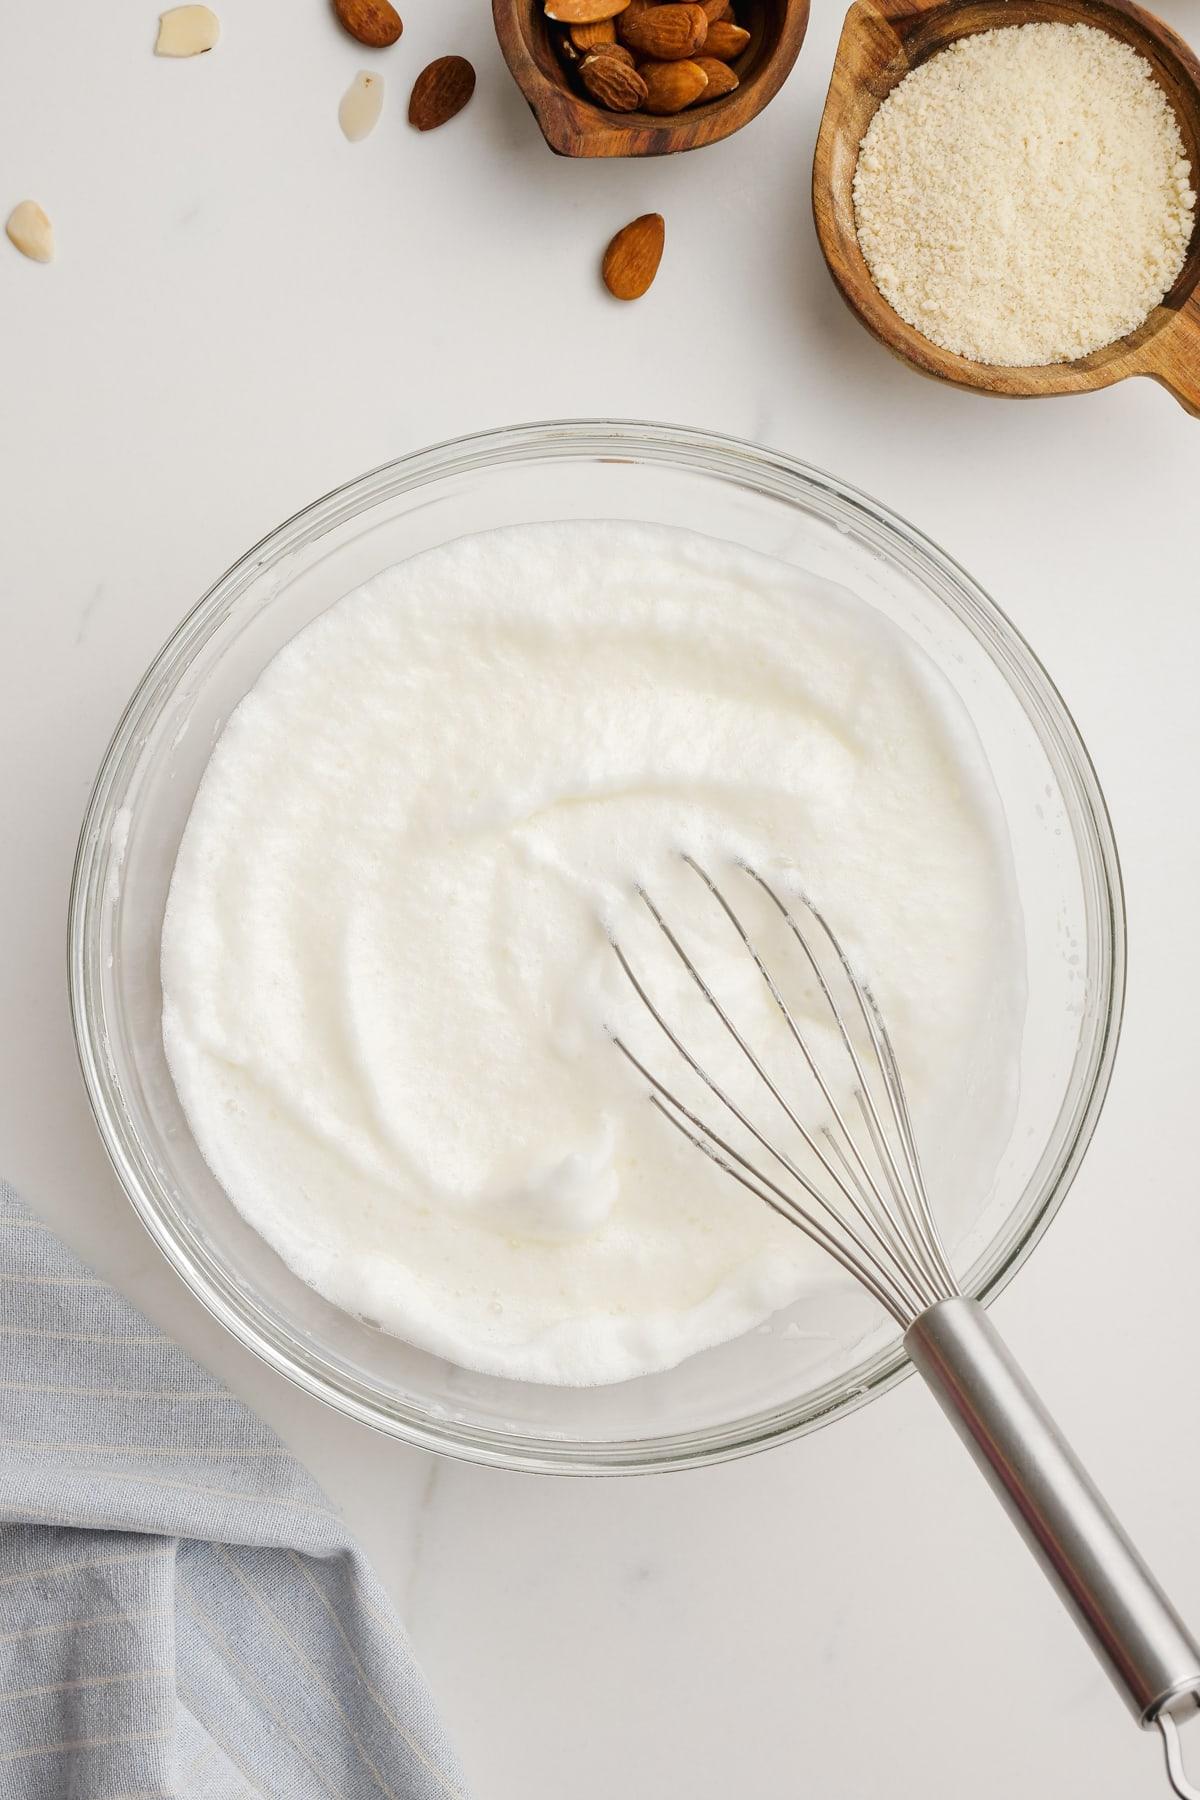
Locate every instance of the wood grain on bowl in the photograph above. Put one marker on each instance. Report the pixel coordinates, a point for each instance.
(573, 124)
(882, 40)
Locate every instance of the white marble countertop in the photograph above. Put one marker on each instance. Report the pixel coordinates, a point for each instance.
(246, 310)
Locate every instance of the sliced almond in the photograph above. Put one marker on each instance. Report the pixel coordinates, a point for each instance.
(440, 91)
(583, 12)
(721, 78)
(587, 37)
(632, 258)
(375, 23)
(187, 31)
(31, 231)
(666, 33)
(613, 83)
(725, 41)
(670, 86)
(361, 105)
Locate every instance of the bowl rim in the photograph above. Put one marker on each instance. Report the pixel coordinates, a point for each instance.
(691, 450)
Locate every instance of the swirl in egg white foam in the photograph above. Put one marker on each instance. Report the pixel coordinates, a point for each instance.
(387, 985)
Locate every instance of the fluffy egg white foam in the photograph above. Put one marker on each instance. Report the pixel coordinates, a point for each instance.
(388, 986)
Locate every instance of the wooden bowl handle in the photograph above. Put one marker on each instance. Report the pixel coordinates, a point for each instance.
(1177, 356)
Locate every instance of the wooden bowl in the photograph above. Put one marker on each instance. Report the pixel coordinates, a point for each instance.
(881, 41)
(573, 125)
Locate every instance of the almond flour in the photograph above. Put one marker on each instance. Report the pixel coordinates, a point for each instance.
(1024, 197)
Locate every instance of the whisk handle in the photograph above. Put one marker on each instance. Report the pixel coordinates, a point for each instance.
(1132, 1626)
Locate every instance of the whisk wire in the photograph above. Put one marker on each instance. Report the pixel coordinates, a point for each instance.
(881, 1271)
(925, 1237)
(725, 1155)
(891, 1073)
(887, 1225)
(864, 1214)
(884, 1210)
(894, 1249)
(721, 1152)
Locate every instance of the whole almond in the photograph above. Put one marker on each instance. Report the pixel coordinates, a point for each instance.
(583, 12)
(666, 33)
(721, 78)
(612, 83)
(440, 91)
(670, 86)
(600, 31)
(375, 23)
(617, 51)
(632, 258)
(714, 9)
(724, 42)
(630, 12)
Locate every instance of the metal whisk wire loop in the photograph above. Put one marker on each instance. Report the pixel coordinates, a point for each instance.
(873, 1214)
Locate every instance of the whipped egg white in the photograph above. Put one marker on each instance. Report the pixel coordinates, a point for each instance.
(389, 992)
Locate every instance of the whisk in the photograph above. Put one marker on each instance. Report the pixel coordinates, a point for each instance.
(861, 1195)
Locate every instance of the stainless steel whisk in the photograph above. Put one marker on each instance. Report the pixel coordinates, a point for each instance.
(864, 1201)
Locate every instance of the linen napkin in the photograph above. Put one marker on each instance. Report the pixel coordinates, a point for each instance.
(182, 1614)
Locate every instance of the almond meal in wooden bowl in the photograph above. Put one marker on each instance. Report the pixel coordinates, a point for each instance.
(1005, 192)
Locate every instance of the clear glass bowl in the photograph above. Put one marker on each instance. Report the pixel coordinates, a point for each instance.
(804, 1368)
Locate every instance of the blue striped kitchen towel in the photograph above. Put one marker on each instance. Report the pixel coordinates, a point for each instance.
(181, 1612)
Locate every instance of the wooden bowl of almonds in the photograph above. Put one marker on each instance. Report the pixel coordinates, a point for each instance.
(1004, 191)
(647, 77)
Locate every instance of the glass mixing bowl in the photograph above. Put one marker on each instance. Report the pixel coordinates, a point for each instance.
(825, 1356)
